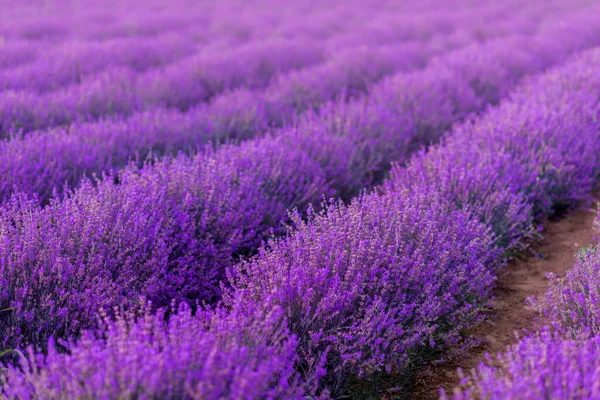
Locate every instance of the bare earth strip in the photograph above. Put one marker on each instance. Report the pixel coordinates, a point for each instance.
(525, 278)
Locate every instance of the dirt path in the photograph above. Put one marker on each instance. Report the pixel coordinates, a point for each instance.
(525, 278)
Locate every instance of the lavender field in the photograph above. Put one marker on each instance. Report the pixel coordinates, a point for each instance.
(296, 200)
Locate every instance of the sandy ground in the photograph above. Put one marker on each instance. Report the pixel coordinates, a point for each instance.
(525, 278)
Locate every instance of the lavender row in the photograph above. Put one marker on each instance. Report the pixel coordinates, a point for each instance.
(562, 360)
(72, 62)
(376, 285)
(373, 131)
(191, 357)
(14, 54)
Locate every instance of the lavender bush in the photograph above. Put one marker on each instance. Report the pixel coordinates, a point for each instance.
(359, 281)
(526, 176)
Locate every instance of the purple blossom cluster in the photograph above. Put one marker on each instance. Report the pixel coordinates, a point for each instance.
(151, 182)
(556, 166)
(165, 232)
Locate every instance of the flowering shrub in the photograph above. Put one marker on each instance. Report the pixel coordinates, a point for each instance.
(378, 282)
